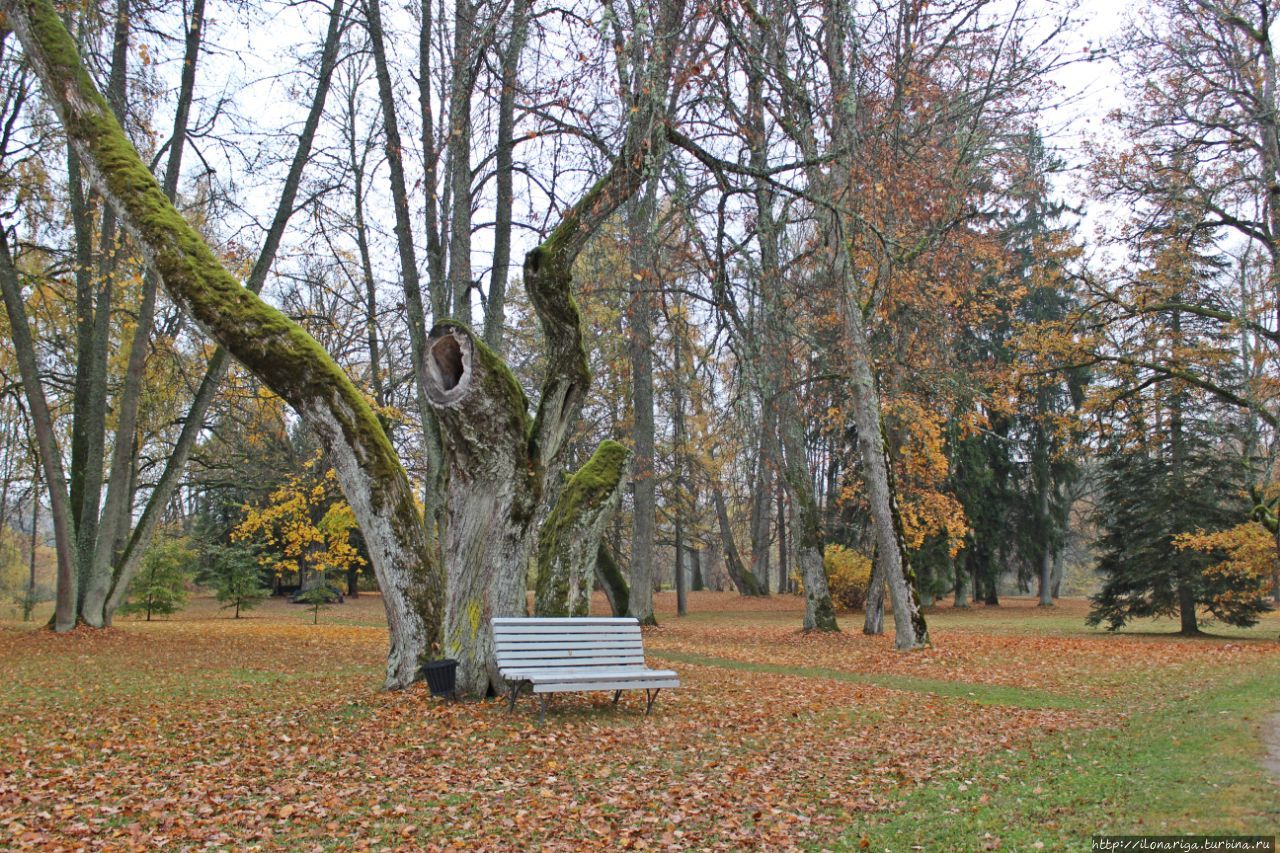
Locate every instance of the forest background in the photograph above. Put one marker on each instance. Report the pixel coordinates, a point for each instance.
(927, 300)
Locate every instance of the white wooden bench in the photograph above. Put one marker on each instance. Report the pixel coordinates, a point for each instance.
(558, 655)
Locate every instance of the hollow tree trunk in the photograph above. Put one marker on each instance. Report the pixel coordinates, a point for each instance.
(272, 347)
(499, 463)
(569, 542)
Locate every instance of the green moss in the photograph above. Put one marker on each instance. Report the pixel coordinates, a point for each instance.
(593, 485)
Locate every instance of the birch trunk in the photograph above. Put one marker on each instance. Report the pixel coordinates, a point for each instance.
(275, 349)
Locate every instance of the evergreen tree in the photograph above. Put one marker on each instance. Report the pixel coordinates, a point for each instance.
(237, 577)
(160, 586)
(1148, 499)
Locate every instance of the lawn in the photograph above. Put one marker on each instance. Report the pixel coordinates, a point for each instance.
(1020, 729)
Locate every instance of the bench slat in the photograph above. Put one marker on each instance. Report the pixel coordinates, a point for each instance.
(525, 630)
(571, 663)
(521, 621)
(584, 686)
(620, 673)
(507, 646)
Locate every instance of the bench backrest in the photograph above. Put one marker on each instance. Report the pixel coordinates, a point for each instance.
(556, 643)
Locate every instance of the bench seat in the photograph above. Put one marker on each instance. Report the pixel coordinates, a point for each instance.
(557, 655)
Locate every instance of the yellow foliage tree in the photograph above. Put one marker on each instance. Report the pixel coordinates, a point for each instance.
(305, 526)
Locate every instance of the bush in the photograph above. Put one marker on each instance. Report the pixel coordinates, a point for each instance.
(848, 576)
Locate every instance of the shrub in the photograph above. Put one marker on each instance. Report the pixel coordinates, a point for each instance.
(848, 576)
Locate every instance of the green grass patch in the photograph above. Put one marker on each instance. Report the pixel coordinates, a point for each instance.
(1188, 768)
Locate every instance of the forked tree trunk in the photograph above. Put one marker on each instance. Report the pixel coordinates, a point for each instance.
(272, 347)
(569, 542)
(499, 463)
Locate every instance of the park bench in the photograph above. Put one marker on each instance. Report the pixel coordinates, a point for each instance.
(559, 655)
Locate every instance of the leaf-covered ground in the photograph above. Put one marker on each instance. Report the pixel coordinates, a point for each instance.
(203, 731)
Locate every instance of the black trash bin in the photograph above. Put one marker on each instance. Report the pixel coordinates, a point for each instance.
(442, 677)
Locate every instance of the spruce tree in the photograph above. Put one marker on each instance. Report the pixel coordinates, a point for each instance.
(236, 577)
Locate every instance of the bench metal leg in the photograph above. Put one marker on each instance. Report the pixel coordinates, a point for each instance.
(542, 712)
(515, 693)
(651, 695)
(616, 695)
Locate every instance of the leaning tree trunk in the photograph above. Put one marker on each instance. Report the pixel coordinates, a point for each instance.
(64, 534)
(742, 577)
(612, 581)
(873, 623)
(910, 631)
(271, 346)
(569, 543)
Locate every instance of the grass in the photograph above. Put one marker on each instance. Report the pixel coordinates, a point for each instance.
(1021, 727)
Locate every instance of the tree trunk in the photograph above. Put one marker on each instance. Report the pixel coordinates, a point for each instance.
(612, 581)
(697, 584)
(64, 534)
(29, 602)
(1187, 611)
(819, 612)
(784, 576)
(873, 623)
(640, 349)
(118, 506)
(744, 580)
(910, 631)
(495, 306)
(960, 571)
(408, 263)
(570, 539)
(270, 345)
(458, 157)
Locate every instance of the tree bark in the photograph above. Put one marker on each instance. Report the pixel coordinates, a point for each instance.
(271, 346)
(612, 581)
(495, 306)
(640, 316)
(570, 539)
